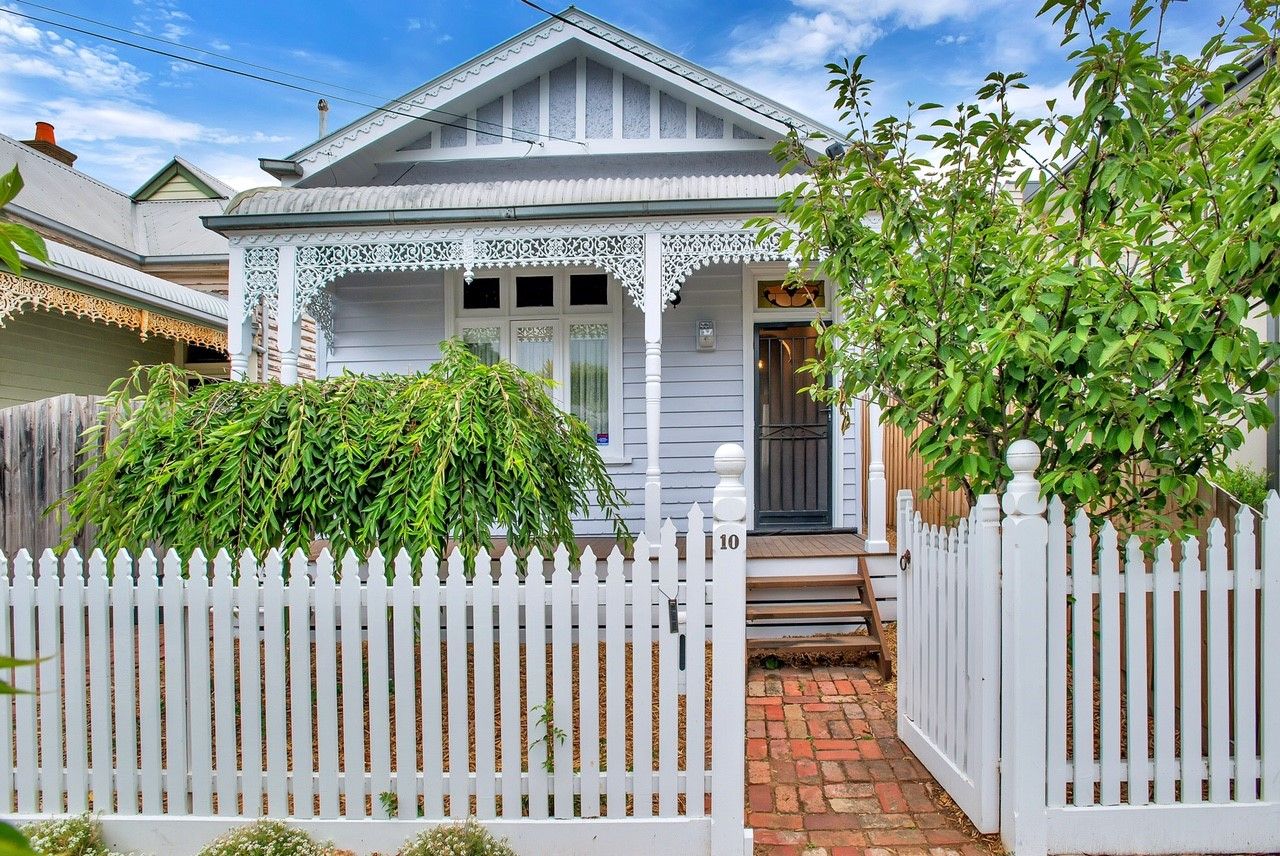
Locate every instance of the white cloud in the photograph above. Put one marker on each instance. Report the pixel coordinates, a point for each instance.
(413, 24)
(219, 45)
(953, 39)
(28, 51)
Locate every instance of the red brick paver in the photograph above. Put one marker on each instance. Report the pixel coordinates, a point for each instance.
(827, 775)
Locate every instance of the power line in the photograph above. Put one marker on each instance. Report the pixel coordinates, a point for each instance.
(504, 133)
(619, 44)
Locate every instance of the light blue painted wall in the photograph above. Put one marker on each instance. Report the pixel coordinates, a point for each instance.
(394, 323)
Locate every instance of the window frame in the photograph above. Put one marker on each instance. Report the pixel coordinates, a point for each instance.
(562, 316)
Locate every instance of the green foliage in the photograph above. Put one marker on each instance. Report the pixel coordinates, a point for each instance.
(551, 735)
(73, 836)
(396, 461)
(1092, 299)
(1246, 484)
(461, 839)
(12, 236)
(266, 838)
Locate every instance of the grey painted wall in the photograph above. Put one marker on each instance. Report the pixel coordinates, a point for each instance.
(43, 354)
(394, 323)
(387, 322)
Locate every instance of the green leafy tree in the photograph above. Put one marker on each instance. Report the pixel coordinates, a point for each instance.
(15, 237)
(1082, 280)
(395, 461)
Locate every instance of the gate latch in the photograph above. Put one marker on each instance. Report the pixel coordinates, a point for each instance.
(904, 561)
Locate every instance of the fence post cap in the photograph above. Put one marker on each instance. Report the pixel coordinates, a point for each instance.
(730, 461)
(1022, 494)
(729, 499)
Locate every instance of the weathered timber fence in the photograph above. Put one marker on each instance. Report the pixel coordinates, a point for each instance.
(365, 699)
(1083, 695)
(39, 455)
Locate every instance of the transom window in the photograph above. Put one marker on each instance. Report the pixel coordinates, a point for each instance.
(563, 325)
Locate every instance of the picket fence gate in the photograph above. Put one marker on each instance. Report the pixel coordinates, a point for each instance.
(1080, 695)
(176, 705)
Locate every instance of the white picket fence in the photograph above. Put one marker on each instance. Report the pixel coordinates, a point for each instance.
(1136, 705)
(948, 655)
(180, 698)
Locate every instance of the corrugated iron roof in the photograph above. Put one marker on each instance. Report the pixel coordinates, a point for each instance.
(103, 274)
(505, 194)
(68, 197)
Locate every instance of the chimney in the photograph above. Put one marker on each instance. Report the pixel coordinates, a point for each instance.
(47, 143)
(322, 107)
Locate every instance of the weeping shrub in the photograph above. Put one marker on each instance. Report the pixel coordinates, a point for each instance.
(392, 461)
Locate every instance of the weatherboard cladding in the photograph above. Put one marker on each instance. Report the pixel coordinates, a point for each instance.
(497, 194)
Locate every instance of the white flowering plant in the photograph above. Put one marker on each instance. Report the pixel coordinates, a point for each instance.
(266, 838)
(72, 836)
(459, 839)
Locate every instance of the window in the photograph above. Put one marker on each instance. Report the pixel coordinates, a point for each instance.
(563, 326)
(535, 291)
(588, 289)
(482, 293)
(775, 294)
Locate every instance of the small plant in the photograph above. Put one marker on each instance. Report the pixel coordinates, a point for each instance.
(266, 838)
(1246, 484)
(550, 734)
(72, 836)
(463, 839)
(390, 802)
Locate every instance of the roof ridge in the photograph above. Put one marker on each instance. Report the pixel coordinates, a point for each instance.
(70, 169)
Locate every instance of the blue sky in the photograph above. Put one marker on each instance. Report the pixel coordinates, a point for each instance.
(126, 112)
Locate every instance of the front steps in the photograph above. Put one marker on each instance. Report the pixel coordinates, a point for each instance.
(835, 604)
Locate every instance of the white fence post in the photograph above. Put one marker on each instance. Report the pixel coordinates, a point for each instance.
(729, 656)
(877, 489)
(905, 508)
(1023, 827)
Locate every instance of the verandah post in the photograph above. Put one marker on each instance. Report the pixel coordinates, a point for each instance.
(1024, 558)
(653, 386)
(729, 655)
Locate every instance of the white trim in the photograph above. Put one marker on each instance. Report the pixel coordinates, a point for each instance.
(580, 97)
(643, 61)
(616, 78)
(557, 148)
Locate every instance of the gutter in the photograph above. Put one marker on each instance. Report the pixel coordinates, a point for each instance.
(223, 223)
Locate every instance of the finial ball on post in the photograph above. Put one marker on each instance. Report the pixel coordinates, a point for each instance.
(1022, 495)
(729, 499)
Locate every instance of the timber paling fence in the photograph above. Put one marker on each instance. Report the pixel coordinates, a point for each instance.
(40, 453)
(1082, 695)
(366, 699)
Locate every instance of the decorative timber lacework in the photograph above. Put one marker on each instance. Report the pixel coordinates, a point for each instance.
(682, 254)
(261, 268)
(317, 266)
(17, 294)
(620, 255)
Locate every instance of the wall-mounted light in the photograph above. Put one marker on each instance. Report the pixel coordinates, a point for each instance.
(706, 336)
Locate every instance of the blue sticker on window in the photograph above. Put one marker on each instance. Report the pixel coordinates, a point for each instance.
(602, 439)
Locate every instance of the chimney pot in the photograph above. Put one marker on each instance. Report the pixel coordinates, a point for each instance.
(46, 143)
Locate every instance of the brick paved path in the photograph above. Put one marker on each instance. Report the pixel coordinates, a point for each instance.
(827, 775)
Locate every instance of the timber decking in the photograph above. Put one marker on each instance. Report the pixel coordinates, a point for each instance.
(819, 545)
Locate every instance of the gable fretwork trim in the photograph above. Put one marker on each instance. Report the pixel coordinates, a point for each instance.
(618, 249)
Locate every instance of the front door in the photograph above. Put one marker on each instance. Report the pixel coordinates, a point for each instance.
(793, 433)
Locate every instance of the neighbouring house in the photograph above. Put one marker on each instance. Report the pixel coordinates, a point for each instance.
(129, 279)
(573, 200)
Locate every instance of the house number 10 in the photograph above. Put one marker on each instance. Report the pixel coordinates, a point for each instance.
(729, 542)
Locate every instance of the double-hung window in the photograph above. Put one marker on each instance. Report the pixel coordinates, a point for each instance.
(563, 325)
